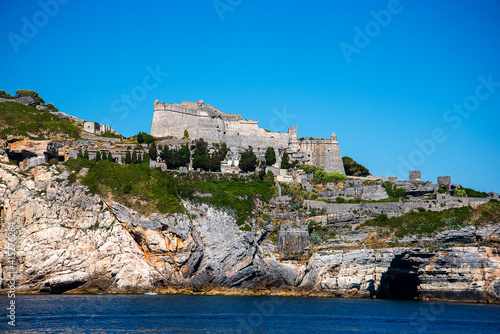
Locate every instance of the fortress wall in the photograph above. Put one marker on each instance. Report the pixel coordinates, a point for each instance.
(323, 153)
(172, 120)
(207, 122)
(167, 123)
(247, 133)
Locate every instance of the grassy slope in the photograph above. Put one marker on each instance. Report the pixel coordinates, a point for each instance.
(21, 120)
(429, 222)
(151, 190)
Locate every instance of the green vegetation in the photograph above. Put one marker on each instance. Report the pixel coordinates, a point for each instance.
(5, 95)
(297, 193)
(144, 138)
(487, 213)
(442, 189)
(110, 135)
(423, 222)
(285, 161)
(321, 176)
(153, 151)
(428, 222)
(318, 233)
(21, 120)
(392, 191)
(52, 107)
(149, 190)
(186, 135)
(474, 193)
(460, 193)
(352, 168)
(175, 158)
(248, 160)
(144, 189)
(270, 156)
(32, 93)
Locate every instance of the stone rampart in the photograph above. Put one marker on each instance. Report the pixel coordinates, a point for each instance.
(207, 122)
(323, 153)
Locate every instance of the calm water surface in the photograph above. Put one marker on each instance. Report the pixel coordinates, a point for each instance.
(230, 314)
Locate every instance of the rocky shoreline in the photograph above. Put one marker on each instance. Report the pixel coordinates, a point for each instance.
(69, 240)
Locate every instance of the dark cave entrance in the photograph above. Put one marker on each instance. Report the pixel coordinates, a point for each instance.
(400, 281)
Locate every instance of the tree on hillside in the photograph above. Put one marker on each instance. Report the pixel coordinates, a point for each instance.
(110, 157)
(248, 160)
(128, 157)
(5, 95)
(134, 156)
(153, 152)
(104, 155)
(144, 138)
(352, 168)
(186, 134)
(140, 138)
(86, 155)
(175, 158)
(52, 107)
(221, 150)
(285, 161)
(32, 93)
(200, 155)
(270, 156)
(97, 156)
(184, 156)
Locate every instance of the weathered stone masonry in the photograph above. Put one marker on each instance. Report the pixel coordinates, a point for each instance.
(205, 121)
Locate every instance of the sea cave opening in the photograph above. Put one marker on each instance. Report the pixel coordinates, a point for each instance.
(400, 281)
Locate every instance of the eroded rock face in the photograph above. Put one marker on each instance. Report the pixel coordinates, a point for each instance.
(70, 240)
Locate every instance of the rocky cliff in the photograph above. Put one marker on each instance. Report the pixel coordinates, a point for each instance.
(59, 237)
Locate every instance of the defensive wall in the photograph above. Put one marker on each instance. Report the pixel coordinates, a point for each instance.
(205, 121)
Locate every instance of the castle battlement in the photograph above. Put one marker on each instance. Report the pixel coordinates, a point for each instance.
(213, 125)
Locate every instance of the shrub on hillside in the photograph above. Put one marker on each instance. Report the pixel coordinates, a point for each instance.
(352, 168)
(32, 93)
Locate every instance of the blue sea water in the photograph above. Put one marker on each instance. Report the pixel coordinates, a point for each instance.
(240, 314)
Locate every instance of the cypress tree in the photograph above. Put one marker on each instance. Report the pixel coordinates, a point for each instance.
(128, 158)
(134, 156)
(153, 152)
(270, 156)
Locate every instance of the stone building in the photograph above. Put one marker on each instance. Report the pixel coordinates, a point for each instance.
(415, 175)
(205, 121)
(96, 128)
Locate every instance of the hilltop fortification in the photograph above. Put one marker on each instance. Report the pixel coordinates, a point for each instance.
(205, 121)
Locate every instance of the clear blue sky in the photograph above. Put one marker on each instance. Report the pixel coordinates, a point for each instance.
(283, 63)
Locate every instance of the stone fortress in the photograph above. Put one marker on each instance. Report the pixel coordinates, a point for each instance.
(214, 126)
